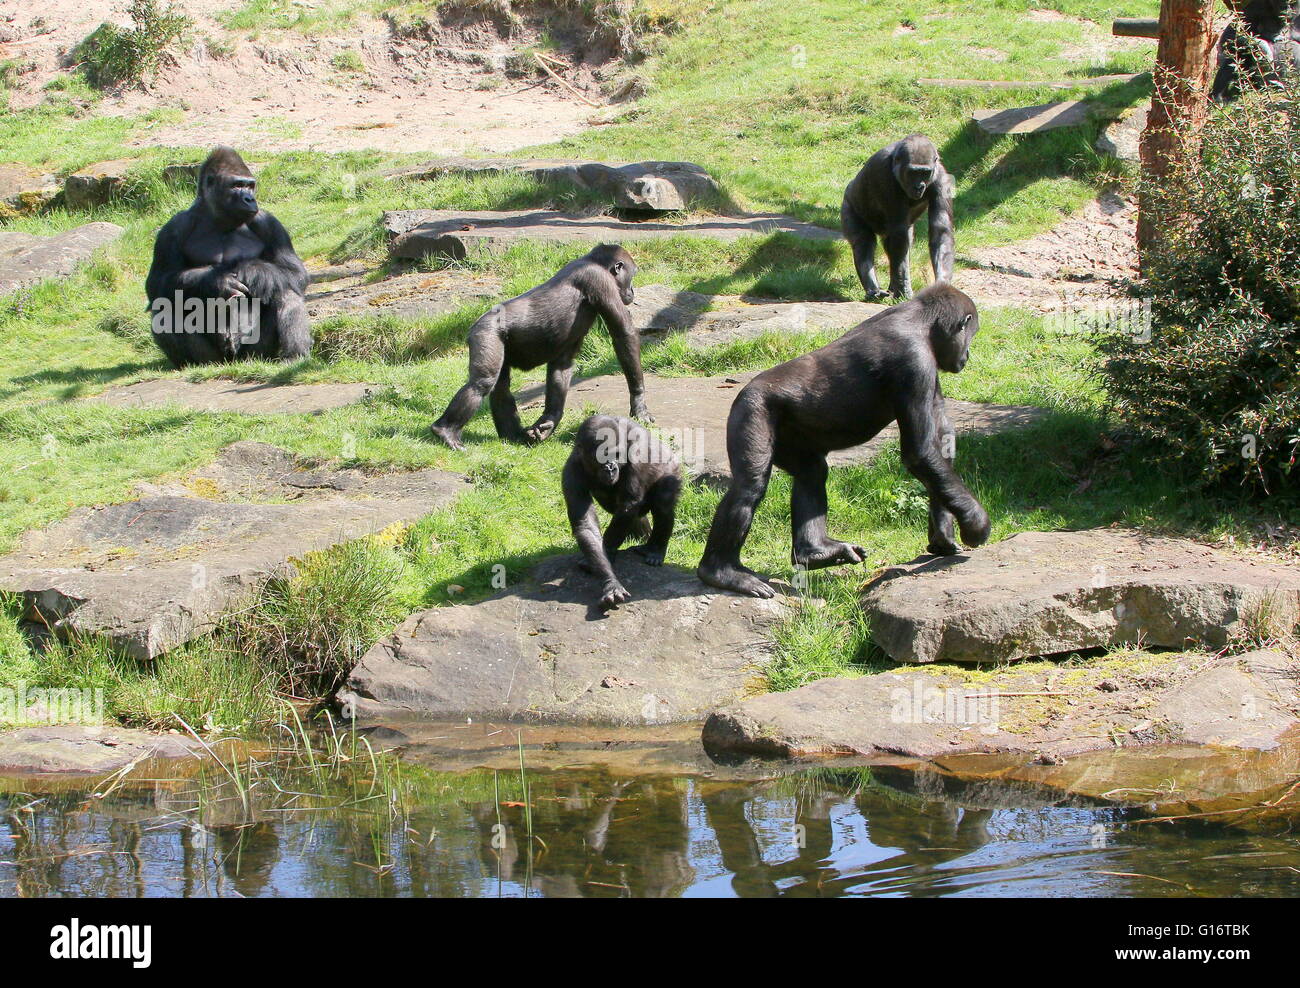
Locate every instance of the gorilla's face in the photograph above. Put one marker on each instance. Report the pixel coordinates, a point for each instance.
(915, 163)
(231, 197)
(624, 270)
(952, 343)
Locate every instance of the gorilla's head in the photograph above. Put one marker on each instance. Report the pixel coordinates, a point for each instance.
(954, 322)
(915, 161)
(603, 441)
(619, 263)
(227, 187)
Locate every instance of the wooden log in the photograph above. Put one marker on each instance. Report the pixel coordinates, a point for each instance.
(1081, 82)
(1135, 27)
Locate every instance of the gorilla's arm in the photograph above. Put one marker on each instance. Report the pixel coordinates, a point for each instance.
(279, 250)
(921, 424)
(586, 529)
(600, 290)
(941, 237)
(169, 271)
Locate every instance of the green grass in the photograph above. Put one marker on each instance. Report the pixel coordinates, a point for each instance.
(779, 137)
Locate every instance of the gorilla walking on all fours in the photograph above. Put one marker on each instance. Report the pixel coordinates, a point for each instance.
(225, 281)
(791, 416)
(896, 185)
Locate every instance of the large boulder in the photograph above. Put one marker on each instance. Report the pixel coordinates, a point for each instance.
(654, 186)
(1044, 593)
(545, 651)
(97, 184)
(26, 258)
(1245, 702)
(417, 233)
(153, 573)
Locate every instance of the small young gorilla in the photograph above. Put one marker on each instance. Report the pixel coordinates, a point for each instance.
(791, 416)
(225, 281)
(629, 473)
(896, 185)
(546, 325)
(1260, 55)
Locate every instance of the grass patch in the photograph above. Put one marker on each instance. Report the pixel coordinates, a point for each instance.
(114, 55)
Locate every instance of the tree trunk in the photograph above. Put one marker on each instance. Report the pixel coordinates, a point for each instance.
(1181, 101)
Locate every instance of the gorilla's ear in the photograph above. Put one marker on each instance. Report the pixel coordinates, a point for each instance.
(965, 320)
(617, 268)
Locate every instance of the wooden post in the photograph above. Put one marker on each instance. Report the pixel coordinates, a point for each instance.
(1181, 102)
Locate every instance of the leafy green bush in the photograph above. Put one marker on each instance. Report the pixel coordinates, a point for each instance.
(114, 55)
(1215, 385)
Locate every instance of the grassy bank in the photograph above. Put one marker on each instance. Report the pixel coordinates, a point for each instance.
(779, 135)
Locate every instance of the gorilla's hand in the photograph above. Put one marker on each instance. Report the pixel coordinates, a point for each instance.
(975, 527)
(538, 433)
(613, 594)
(228, 286)
(651, 555)
(640, 410)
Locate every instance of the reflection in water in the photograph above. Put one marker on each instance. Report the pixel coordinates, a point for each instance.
(826, 832)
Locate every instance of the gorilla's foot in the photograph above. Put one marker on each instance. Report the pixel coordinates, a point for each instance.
(937, 548)
(449, 436)
(829, 553)
(613, 594)
(876, 294)
(651, 555)
(736, 578)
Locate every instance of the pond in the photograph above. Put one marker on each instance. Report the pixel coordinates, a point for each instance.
(472, 811)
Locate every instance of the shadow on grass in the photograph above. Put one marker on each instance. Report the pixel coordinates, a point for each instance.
(77, 380)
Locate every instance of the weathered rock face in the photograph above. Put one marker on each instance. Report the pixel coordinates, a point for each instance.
(644, 185)
(86, 750)
(545, 651)
(1247, 702)
(153, 573)
(406, 296)
(1121, 138)
(254, 398)
(24, 190)
(26, 258)
(95, 185)
(418, 233)
(1043, 593)
(693, 412)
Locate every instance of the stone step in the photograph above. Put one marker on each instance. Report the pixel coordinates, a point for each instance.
(252, 398)
(25, 190)
(26, 259)
(707, 320)
(1034, 119)
(155, 572)
(693, 411)
(655, 186)
(1045, 593)
(407, 296)
(418, 233)
(543, 650)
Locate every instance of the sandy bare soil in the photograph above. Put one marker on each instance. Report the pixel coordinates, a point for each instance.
(280, 91)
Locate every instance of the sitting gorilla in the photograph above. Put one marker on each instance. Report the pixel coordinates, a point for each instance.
(1267, 50)
(629, 473)
(791, 416)
(225, 281)
(896, 185)
(546, 325)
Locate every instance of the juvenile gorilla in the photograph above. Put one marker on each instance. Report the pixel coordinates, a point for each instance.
(885, 370)
(896, 185)
(546, 325)
(225, 281)
(630, 474)
(1260, 55)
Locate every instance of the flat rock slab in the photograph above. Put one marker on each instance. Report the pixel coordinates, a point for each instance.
(693, 412)
(1033, 119)
(153, 573)
(1246, 702)
(253, 398)
(1046, 593)
(26, 259)
(407, 296)
(544, 650)
(417, 233)
(86, 750)
(707, 320)
(643, 185)
(25, 190)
